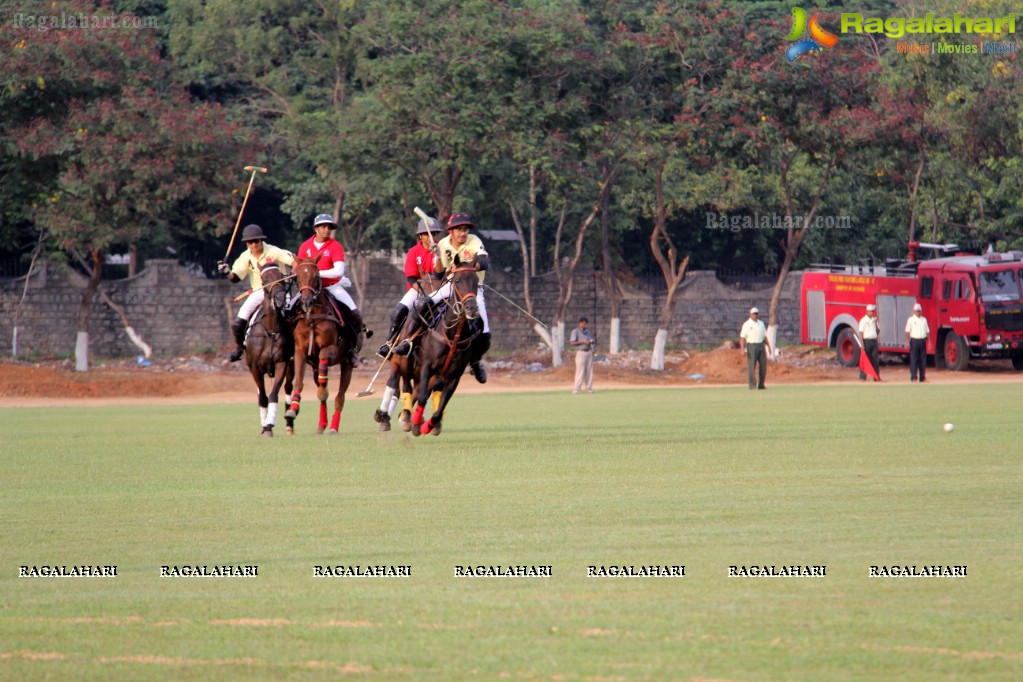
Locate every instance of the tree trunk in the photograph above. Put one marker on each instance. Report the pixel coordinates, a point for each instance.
(82, 341)
(610, 282)
(558, 343)
(673, 271)
(657, 357)
(793, 238)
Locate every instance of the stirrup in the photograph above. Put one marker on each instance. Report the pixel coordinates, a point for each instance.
(236, 355)
(384, 350)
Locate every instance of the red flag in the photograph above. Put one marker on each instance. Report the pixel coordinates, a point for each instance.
(865, 365)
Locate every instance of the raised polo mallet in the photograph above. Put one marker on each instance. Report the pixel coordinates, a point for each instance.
(426, 219)
(254, 169)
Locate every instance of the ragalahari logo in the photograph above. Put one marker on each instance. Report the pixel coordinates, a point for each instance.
(818, 40)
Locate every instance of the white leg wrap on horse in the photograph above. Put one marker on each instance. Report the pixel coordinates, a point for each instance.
(387, 400)
(391, 404)
(271, 415)
(262, 416)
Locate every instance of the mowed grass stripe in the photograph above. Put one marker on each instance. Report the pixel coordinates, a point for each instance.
(846, 476)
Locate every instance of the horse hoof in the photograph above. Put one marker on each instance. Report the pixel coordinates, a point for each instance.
(405, 426)
(319, 431)
(321, 394)
(385, 426)
(415, 430)
(436, 430)
(332, 432)
(289, 431)
(268, 432)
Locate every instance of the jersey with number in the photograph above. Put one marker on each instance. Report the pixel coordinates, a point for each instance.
(473, 246)
(246, 264)
(327, 256)
(419, 264)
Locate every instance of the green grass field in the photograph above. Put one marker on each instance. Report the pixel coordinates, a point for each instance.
(842, 476)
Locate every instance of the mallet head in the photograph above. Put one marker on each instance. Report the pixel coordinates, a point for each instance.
(255, 168)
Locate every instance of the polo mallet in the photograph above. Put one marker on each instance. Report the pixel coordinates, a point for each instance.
(260, 288)
(254, 169)
(393, 341)
(426, 219)
(390, 350)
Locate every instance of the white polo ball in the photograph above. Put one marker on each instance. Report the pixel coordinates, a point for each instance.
(948, 427)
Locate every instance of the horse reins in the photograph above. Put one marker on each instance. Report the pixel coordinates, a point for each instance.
(459, 310)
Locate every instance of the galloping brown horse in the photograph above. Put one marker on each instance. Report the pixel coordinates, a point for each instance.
(320, 341)
(269, 349)
(445, 348)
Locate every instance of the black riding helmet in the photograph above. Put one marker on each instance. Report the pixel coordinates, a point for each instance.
(460, 220)
(252, 233)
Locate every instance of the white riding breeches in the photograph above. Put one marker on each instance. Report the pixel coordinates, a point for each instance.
(342, 296)
(410, 297)
(251, 304)
(445, 291)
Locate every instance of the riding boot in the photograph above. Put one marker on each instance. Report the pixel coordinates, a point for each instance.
(398, 316)
(353, 354)
(422, 311)
(481, 346)
(238, 328)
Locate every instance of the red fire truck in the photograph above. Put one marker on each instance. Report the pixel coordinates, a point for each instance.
(973, 305)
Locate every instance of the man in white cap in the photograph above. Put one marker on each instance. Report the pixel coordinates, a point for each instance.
(752, 343)
(917, 332)
(868, 336)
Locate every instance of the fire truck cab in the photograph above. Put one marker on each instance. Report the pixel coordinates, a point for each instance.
(973, 305)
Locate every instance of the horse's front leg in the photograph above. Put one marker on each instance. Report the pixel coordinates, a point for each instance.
(262, 400)
(299, 380)
(432, 425)
(339, 400)
(289, 384)
(270, 419)
(422, 395)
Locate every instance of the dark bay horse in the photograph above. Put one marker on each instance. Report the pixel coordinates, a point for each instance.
(401, 383)
(320, 342)
(269, 349)
(445, 348)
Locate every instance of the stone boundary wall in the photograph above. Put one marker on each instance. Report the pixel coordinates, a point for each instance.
(179, 312)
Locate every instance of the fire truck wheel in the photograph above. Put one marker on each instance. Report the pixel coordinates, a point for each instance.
(957, 354)
(847, 351)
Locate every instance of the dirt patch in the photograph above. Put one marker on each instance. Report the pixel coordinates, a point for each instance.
(202, 379)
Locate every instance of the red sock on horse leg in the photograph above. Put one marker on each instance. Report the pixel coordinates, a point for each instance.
(323, 415)
(295, 400)
(335, 421)
(417, 415)
(321, 377)
(427, 427)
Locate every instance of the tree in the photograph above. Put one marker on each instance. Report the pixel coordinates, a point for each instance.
(136, 158)
(801, 121)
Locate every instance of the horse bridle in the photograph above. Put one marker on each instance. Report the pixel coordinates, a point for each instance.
(459, 299)
(301, 289)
